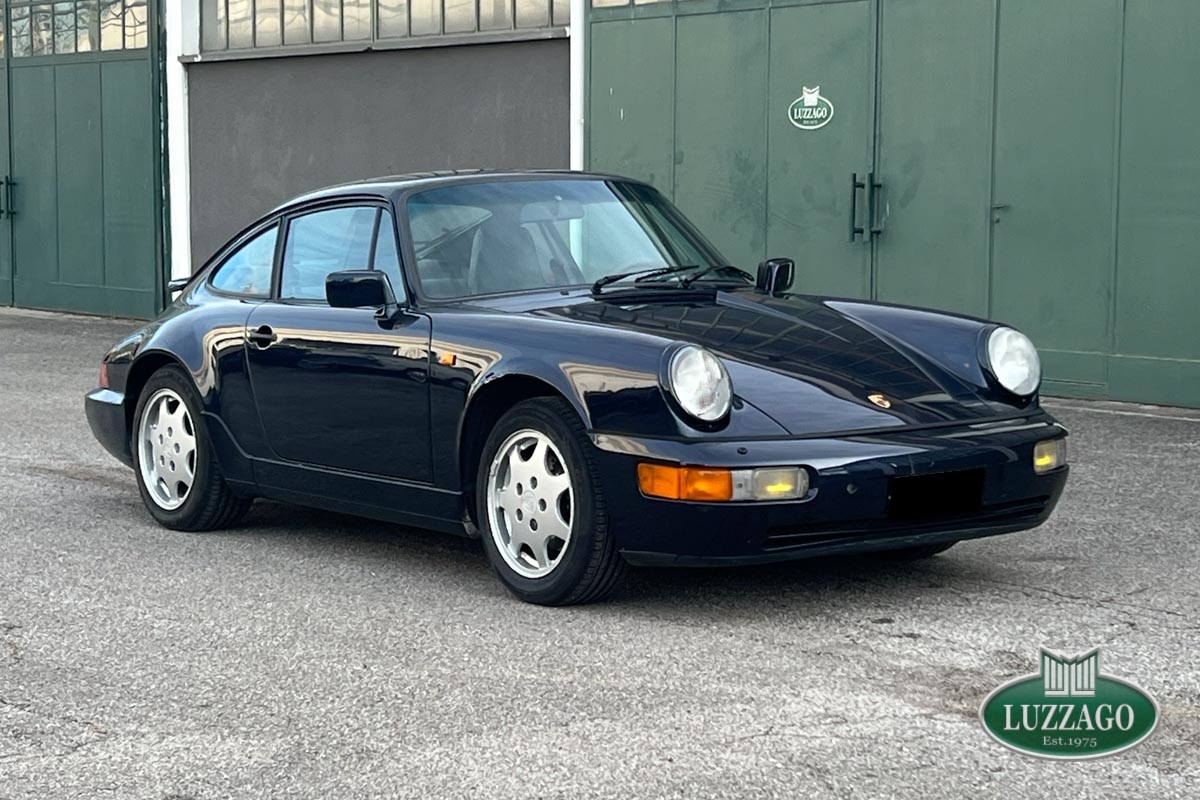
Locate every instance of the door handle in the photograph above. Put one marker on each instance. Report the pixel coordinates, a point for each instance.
(6, 201)
(855, 228)
(873, 204)
(262, 338)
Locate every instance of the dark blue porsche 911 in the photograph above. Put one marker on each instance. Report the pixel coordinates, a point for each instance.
(563, 366)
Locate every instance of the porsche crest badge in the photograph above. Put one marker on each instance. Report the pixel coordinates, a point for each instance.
(880, 400)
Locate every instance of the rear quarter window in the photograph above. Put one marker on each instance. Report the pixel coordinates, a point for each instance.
(247, 271)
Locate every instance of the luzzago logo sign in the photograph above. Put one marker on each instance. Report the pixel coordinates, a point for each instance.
(1069, 710)
(810, 111)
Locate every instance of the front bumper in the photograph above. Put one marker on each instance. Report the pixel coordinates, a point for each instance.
(850, 507)
(106, 417)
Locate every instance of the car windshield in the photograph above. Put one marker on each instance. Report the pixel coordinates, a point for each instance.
(514, 235)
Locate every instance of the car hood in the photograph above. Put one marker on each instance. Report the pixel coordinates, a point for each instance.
(816, 365)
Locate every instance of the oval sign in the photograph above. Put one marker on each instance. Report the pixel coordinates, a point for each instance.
(1069, 711)
(810, 110)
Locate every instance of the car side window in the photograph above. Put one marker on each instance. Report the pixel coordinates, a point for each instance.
(323, 242)
(387, 259)
(248, 270)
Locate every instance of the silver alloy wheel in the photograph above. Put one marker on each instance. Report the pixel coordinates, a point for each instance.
(531, 503)
(167, 456)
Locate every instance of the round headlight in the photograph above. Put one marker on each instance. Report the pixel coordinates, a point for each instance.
(699, 383)
(1014, 361)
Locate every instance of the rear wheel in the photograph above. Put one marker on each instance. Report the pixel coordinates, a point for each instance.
(542, 510)
(180, 483)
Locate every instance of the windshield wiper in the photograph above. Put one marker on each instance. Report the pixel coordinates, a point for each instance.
(690, 279)
(648, 272)
(666, 271)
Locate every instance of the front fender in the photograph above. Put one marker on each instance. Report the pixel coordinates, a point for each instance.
(619, 393)
(609, 376)
(526, 367)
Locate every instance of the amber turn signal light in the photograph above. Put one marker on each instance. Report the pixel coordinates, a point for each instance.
(714, 484)
(685, 483)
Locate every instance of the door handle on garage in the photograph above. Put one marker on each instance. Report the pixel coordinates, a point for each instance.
(873, 204)
(6, 201)
(263, 337)
(856, 229)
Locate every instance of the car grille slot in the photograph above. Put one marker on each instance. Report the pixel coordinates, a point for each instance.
(935, 496)
(785, 537)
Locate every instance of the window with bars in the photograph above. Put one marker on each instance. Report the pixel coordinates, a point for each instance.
(248, 24)
(617, 3)
(76, 26)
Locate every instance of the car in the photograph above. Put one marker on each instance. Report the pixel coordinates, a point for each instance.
(562, 366)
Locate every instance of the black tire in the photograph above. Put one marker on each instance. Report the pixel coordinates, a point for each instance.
(210, 504)
(917, 553)
(590, 567)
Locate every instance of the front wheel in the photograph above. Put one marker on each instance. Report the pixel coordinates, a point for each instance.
(541, 509)
(177, 476)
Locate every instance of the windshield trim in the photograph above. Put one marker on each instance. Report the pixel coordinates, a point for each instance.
(408, 250)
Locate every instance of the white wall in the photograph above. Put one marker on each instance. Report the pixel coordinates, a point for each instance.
(576, 31)
(182, 20)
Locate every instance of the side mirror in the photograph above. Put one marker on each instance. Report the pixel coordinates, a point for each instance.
(775, 275)
(359, 288)
(178, 284)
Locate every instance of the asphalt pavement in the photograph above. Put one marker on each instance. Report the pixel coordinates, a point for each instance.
(308, 654)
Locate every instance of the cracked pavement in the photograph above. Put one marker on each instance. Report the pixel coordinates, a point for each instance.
(308, 654)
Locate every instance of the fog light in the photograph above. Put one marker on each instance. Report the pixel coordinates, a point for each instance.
(778, 483)
(1049, 455)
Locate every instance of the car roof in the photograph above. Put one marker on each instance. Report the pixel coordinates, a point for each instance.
(390, 185)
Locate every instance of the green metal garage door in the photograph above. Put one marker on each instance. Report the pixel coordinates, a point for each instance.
(1029, 161)
(80, 155)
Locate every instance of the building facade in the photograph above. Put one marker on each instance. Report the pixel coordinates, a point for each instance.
(287, 96)
(80, 159)
(1027, 161)
(138, 136)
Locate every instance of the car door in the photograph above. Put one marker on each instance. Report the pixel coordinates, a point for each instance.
(338, 387)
